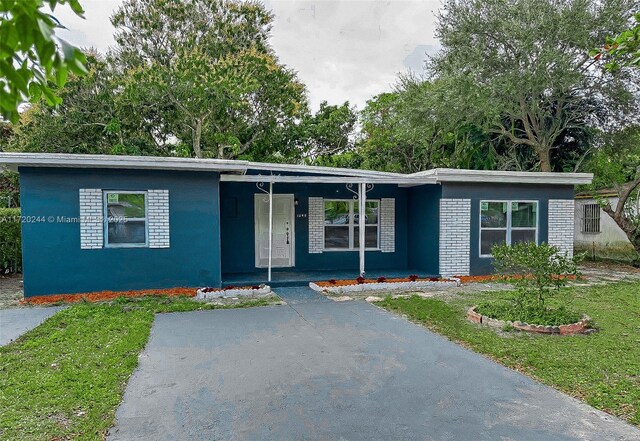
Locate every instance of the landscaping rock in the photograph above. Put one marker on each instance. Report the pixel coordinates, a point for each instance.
(371, 299)
(341, 299)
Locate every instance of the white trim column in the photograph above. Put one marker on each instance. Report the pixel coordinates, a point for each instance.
(270, 230)
(362, 201)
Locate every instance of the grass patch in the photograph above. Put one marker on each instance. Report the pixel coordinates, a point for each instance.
(603, 369)
(65, 378)
(528, 314)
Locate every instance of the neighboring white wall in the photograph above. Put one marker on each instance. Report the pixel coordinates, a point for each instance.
(611, 242)
(91, 222)
(316, 225)
(388, 225)
(561, 224)
(455, 236)
(158, 218)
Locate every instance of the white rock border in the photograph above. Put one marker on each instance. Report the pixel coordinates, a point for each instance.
(385, 286)
(236, 292)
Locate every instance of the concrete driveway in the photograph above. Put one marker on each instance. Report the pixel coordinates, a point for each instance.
(15, 322)
(319, 370)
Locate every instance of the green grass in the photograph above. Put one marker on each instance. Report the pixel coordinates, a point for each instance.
(532, 314)
(65, 378)
(603, 368)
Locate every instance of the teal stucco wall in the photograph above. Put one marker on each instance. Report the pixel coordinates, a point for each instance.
(238, 233)
(54, 263)
(479, 191)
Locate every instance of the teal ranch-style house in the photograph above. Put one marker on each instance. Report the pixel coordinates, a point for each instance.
(97, 222)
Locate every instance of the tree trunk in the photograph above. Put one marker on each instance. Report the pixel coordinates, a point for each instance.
(197, 135)
(544, 154)
(625, 222)
(220, 151)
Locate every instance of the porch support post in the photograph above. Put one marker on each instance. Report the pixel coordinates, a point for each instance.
(270, 229)
(362, 200)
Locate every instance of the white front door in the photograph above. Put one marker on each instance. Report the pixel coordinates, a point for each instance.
(283, 231)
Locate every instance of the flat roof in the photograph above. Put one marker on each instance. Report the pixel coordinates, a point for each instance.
(229, 168)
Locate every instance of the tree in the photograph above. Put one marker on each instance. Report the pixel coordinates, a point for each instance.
(211, 61)
(32, 57)
(617, 164)
(328, 132)
(90, 119)
(520, 68)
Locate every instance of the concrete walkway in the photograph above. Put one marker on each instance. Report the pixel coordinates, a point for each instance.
(321, 370)
(15, 322)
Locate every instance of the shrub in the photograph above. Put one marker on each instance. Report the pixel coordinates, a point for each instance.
(539, 268)
(531, 314)
(360, 280)
(381, 279)
(10, 241)
(413, 277)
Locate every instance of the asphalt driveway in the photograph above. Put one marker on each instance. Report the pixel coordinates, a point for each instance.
(15, 322)
(319, 370)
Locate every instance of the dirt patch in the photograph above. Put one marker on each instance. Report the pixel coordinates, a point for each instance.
(10, 291)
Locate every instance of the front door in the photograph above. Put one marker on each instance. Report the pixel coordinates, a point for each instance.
(283, 232)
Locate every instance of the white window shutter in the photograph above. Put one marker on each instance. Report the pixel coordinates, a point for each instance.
(316, 225)
(91, 225)
(158, 218)
(387, 225)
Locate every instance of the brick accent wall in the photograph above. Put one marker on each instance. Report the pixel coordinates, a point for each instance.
(316, 225)
(91, 222)
(158, 218)
(561, 224)
(388, 225)
(455, 236)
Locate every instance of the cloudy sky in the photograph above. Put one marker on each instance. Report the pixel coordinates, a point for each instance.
(342, 50)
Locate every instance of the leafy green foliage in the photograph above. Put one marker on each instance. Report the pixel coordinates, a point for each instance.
(65, 378)
(623, 50)
(328, 132)
(520, 69)
(210, 60)
(31, 55)
(601, 369)
(10, 240)
(536, 270)
(9, 189)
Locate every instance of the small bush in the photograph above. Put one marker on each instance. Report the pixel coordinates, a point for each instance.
(531, 314)
(381, 279)
(538, 269)
(10, 240)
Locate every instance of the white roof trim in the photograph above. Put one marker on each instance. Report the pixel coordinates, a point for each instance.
(504, 177)
(14, 160)
(438, 175)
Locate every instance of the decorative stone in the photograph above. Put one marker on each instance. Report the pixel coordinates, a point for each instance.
(371, 299)
(581, 327)
(341, 299)
(234, 293)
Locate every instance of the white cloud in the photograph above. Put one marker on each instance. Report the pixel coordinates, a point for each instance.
(342, 50)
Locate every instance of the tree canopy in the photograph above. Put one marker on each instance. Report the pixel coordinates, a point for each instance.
(32, 56)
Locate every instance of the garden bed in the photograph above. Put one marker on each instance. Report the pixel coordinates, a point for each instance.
(579, 327)
(103, 296)
(381, 284)
(232, 291)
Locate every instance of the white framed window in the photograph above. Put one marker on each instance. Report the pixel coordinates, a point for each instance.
(591, 218)
(341, 225)
(509, 222)
(125, 218)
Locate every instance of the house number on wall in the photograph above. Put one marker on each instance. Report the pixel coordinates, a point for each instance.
(299, 215)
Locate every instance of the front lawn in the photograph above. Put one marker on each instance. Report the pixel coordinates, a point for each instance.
(65, 378)
(603, 368)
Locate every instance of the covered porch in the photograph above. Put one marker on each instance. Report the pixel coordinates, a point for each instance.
(284, 230)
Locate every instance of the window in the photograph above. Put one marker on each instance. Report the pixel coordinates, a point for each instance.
(341, 224)
(591, 218)
(509, 222)
(126, 219)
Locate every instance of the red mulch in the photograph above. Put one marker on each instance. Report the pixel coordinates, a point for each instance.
(107, 295)
(329, 283)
